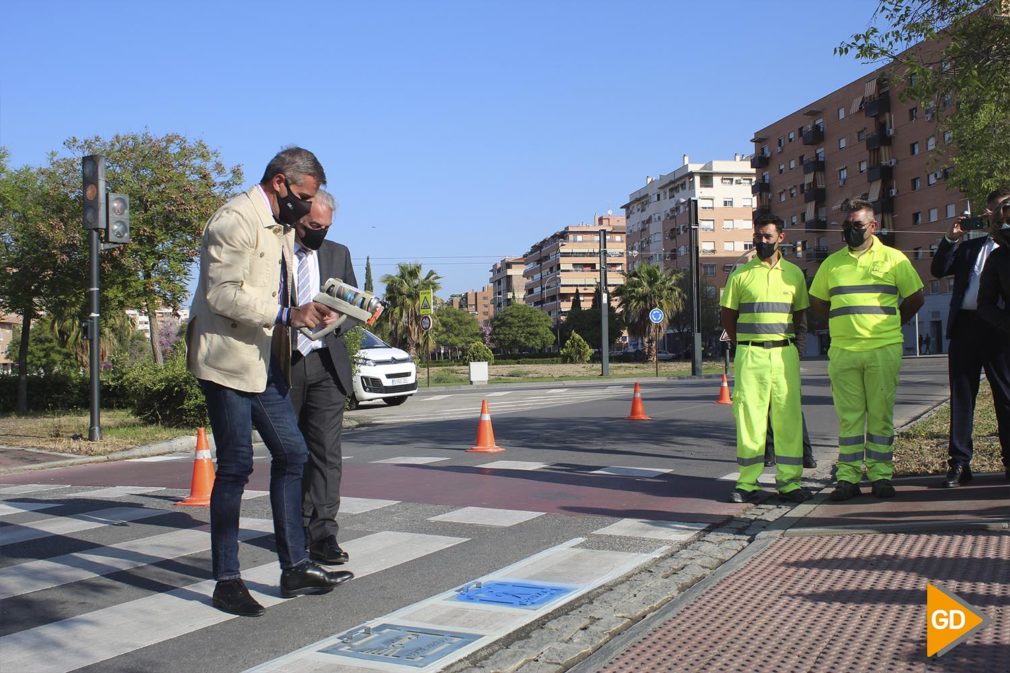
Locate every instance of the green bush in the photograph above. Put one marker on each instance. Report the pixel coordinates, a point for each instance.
(478, 352)
(167, 395)
(576, 350)
(56, 390)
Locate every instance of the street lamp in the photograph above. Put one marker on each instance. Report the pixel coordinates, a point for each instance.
(692, 223)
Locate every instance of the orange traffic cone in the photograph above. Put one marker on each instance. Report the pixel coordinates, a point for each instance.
(724, 392)
(485, 433)
(203, 474)
(637, 408)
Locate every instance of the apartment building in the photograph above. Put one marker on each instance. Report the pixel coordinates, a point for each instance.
(569, 260)
(657, 217)
(507, 282)
(8, 355)
(143, 323)
(862, 140)
(477, 303)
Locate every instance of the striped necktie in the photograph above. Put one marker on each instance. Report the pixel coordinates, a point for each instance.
(303, 288)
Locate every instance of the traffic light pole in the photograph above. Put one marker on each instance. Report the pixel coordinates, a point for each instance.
(94, 245)
(692, 210)
(604, 308)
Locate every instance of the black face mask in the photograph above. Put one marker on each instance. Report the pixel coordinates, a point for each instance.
(854, 237)
(764, 250)
(292, 208)
(313, 238)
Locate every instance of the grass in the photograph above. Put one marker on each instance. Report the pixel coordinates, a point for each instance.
(67, 432)
(922, 448)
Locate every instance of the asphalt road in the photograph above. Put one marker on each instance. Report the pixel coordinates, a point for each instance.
(89, 580)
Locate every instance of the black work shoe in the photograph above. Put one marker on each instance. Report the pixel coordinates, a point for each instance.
(328, 552)
(740, 495)
(845, 490)
(798, 495)
(958, 474)
(308, 578)
(882, 488)
(809, 462)
(232, 597)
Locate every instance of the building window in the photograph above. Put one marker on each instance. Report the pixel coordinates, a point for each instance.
(841, 113)
(947, 137)
(934, 287)
(747, 202)
(708, 269)
(782, 196)
(707, 225)
(708, 247)
(819, 154)
(913, 149)
(843, 173)
(706, 204)
(793, 220)
(913, 113)
(727, 224)
(930, 143)
(862, 166)
(792, 136)
(792, 164)
(705, 181)
(727, 203)
(779, 142)
(916, 184)
(727, 246)
(841, 143)
(912, 79)
(918, 253)
(744, 224)
(951, 209)
(860, 135)
(934, 214)
(931, 179)
(726, 181)
(782, 168)
(917, 218)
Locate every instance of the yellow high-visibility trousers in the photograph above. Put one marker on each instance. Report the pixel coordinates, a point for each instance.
(768, 379)
(863, 386)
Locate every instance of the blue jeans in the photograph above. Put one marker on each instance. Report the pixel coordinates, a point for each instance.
(233, 414)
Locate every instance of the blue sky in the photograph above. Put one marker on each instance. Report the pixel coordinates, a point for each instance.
(453, 133)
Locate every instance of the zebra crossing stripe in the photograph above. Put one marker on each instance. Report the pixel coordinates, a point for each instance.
(32, 576)
(87, 639)
(74, 523)
(9, 508)
(21, 489)
(116, 491)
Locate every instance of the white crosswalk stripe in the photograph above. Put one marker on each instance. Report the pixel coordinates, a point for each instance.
(75, 523)
(21, 489)
(501, 407)
(116, 491)
(14, 507)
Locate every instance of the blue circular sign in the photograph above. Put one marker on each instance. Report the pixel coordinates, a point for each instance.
(656, 315)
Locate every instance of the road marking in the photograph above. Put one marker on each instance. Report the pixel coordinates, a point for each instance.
(9, 508)
(411, 460)
(555, 391)
(350, 505)
(619, 471)
(251, 494)
(498, 394)
(514, 465)
(96, 636)
(766, 478)
(116, 492)
(158, 459)
(671, 531)
(486, 516)
(20, 489)
(75, 523)
(433, 398)
(32, 576)
(500, 407)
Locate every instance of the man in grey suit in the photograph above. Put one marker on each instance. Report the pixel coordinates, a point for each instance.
(320, 381)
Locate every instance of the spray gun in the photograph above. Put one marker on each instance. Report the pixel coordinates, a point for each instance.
(353, 304)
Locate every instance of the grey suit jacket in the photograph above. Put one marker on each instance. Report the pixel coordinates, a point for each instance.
(335, 262)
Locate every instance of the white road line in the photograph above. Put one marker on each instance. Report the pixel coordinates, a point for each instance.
(486, 516)
(159, 459)
(620, 471)
(503, 407)
(21, 489)
(671, 531)
(350, 505)
(74, 523)
(514, 465)
(498, 394)
(556, 391)
(31, 576)
(251, 494)
(411, 460)
(116, 491)
(14, 507)
(766, 478)
(432, 398)
(95, 636)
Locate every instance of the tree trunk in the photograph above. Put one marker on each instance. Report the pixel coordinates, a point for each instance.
(152, 322)
(21, 407)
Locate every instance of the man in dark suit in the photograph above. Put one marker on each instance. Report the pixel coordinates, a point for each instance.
(320, 382)
(974, 345)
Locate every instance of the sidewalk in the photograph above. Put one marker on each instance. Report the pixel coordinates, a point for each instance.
(841, 587)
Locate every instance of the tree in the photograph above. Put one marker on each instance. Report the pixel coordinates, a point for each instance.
(174, 185)
(576, 350)
(520, 327)
(682, 322)
(576, 303)
(369, 286)
(961, 71)
(588, 324)
(403, 294)
(46, 356)
(455, 329)
(645, 288)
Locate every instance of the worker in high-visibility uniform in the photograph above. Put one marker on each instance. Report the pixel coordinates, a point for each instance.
(763, 308)
(867, 290)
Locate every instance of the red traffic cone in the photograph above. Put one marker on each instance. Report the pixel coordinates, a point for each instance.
(724, 397)
(203, 474)
(637, 407)
(485, 433)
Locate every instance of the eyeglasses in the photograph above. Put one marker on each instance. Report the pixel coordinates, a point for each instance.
(856, 224)
(316, 226)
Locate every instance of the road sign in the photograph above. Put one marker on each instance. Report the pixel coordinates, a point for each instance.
(724, 337)
(949, 620)
(426, 303)
(426, 322)
(656, 316)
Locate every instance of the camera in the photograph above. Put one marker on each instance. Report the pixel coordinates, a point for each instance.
(970, 223)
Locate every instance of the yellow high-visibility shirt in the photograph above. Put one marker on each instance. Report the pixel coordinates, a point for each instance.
(865, 292)
(766, 298)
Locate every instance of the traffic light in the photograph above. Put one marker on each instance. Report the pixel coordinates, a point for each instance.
(93, 172)
(118, 230)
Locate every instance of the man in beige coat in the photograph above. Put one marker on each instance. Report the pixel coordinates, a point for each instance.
(242, 363)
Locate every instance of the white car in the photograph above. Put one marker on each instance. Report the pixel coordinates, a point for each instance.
(383, 373)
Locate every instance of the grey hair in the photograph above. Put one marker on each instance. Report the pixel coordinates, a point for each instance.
(295, 163)
(854, 205)
(325, 198)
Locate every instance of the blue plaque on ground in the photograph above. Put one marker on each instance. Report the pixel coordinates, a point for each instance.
(404, 645)
(527, 595)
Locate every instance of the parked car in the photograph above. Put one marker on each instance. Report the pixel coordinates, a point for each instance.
(383, 373)
(664, 356)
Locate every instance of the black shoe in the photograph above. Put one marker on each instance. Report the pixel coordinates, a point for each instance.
(231, 596)
(798, 495)
(882, 488)
(328, 552)
(845, 490)
(740, 495)
(308, 578)
(809, 462)
(958, 474)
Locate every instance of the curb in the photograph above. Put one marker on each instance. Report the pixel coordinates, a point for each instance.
(176, 445)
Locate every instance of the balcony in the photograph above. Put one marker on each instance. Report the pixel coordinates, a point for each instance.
(761, 188)
(814, 194)
(882, 172)
(884, 206)
(816, 225)
(759, 161)
(881, 105)
(875, 141)
(820, 254)
(813, 135)
(813, 166)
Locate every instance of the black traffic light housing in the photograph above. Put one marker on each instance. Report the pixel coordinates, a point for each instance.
(93, 172)
(118, 229)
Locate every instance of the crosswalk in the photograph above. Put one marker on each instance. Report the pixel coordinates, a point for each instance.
(82, 547)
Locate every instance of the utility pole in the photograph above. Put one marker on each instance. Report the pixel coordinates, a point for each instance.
(604, 308)
(93, 175)
(692, 221)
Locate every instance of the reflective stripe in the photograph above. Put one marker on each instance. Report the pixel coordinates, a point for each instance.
(872, 310)
(879, 455)
(787, 482)
(862, 289)
(766, 307)
(765, 328)
(850, 441)
(850, 457)
(788, 460)
(744, 462)
(880, 439)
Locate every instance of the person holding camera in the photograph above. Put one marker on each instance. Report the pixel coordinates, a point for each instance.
(974, 345)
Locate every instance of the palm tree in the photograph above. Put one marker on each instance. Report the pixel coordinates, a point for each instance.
(646, 288)
(403, 294)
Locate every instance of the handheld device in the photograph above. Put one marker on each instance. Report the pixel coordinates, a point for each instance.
(353, 304)
(970, 223)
